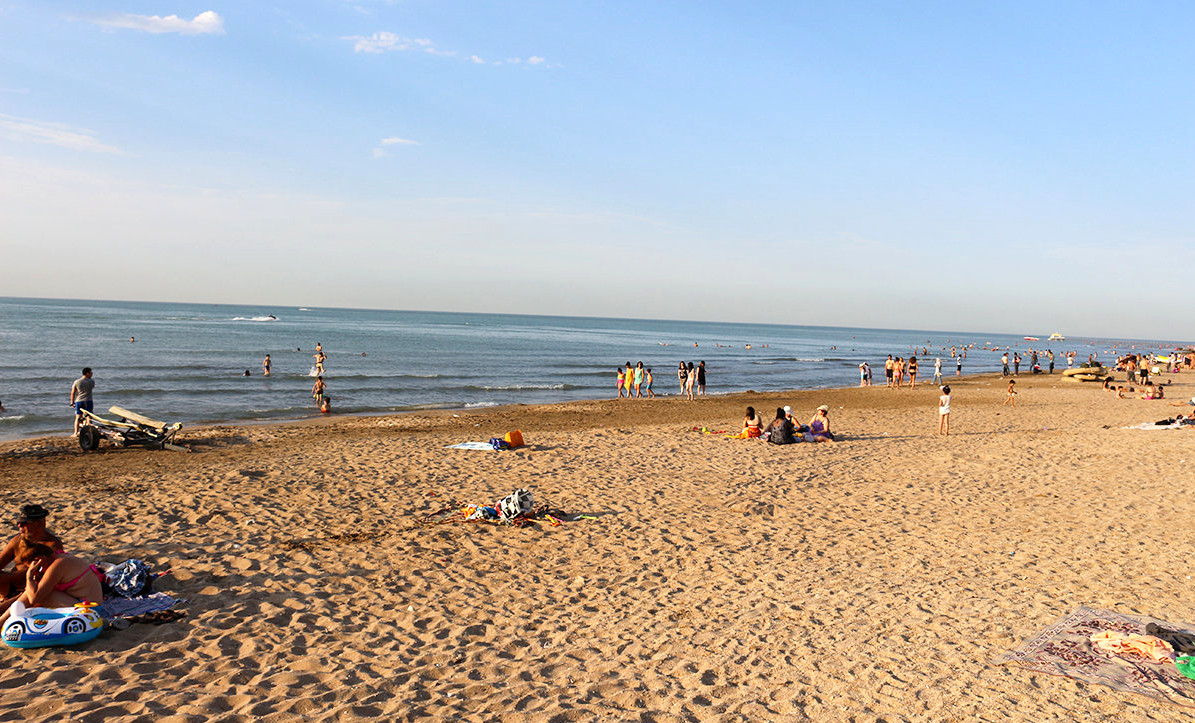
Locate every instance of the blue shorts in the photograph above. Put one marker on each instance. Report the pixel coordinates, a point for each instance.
(80, 406)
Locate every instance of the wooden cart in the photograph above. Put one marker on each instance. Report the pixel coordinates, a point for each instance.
(131, 429)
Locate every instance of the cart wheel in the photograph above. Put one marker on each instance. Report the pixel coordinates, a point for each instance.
(89, 438)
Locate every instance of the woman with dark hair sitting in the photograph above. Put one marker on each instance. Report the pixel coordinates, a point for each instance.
(780, 429)
(55, 580)
(752, 426)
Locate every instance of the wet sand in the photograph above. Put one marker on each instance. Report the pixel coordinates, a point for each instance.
(868, 580)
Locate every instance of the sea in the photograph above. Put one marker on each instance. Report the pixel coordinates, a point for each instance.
(187, 362)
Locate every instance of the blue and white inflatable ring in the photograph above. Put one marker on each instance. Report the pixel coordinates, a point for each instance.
(39, 627)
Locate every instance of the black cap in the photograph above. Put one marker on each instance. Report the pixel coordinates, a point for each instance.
(30, 513)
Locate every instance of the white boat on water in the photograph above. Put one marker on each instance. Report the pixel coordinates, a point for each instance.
(1057, 337)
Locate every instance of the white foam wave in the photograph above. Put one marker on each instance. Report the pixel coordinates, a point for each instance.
(13, 418)
(255, 318)
(512, 387)
(474, 405)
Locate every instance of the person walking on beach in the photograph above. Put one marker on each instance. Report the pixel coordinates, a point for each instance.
(938, 370)
(1011, 399)
(648, 378)
(639, 380)
(681, 374)
(912, 372)
(888, 367)
(81, 399)
(944, 412)
(317, 390)
(1016, 363)
(266, 365)
(690, 380)
(1050, 356)
(701, 379)
(863, 372)
(622, 378)
(958, 366)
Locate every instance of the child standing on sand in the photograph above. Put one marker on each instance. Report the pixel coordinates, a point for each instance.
(944, 412)
(648, 379)
(1011, 400)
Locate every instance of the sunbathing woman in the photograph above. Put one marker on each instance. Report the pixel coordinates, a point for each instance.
(819, 426)
(55, 580)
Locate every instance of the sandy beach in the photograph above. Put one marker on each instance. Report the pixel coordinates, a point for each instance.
(869, 580)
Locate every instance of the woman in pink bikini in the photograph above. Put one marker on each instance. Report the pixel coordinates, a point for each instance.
(56, 580)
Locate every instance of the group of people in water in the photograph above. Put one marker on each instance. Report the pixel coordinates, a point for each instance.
(42, 573)
(783, 429)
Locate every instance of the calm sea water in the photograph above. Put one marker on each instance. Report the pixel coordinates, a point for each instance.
(188, 359)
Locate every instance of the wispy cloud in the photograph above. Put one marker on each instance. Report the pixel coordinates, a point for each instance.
(55, 134)
(387, 42)
(205, 23)
(379, 151)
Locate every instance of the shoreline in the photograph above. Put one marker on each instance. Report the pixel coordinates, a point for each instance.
(319, 420)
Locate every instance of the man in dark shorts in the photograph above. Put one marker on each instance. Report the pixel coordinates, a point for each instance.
(888, 364)
(701, 378)
(81, 397)
(31, 523)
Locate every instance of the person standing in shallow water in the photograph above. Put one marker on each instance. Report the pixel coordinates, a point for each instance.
(701, 379)
(266, 365)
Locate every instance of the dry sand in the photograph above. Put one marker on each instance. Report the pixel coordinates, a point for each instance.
(870, 580)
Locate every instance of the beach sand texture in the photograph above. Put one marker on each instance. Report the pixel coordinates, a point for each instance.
(724, 580)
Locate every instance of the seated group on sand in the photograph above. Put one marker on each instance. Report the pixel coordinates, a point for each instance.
(42, 573)
(785, 430)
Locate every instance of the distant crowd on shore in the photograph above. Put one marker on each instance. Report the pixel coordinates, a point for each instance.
(635, 381)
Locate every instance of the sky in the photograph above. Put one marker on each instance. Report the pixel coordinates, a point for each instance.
(1018, 167)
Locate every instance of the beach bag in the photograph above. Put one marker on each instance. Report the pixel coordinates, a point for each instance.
(498, 443)
(514, 439)
(519, 503)
(130, 578)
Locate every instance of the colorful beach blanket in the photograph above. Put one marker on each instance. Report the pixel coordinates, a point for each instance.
(123, 607)
(1065, 648)
(478, 446)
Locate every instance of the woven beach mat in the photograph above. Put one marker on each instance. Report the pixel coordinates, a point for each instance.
(1065, 649)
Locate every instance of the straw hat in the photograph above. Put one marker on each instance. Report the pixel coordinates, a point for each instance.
(824, 408)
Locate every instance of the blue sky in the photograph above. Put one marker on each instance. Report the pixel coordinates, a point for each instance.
(1020, 167)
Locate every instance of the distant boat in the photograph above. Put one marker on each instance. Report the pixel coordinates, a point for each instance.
(1032, 338)
(1057, 337)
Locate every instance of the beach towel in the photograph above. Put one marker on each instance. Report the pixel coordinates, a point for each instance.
(1155, 425)
(477, 446)
(123, 607)
(1066, 648)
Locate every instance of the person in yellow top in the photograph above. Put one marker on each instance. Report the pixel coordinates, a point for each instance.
(621, 380)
